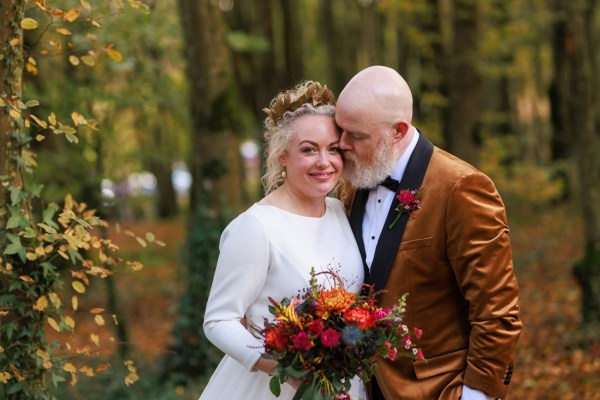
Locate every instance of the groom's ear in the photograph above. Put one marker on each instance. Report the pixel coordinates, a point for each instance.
(400, 130)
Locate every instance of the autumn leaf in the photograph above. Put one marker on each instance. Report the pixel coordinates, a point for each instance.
(64, 31)
(131, 378)
(69, 368)
(53, 324)
(78, 287)
(74, 60)
(70, 322)
(74, 303)
(96, 310)
(115, 55)
(99, 320)
(95, 339)
(71, 15)
(29, 24)
(41, 304)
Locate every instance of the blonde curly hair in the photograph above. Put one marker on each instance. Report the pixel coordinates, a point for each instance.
(306, 98)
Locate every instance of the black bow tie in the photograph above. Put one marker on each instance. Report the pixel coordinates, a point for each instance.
(391, 184)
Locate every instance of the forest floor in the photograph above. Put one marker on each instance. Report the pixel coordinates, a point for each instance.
(555, 359)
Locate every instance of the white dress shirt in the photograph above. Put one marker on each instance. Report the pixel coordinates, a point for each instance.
(376, 211)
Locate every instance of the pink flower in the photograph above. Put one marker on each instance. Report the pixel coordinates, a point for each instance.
(418, 332)
(330, 338)
(302, 341)
(316, 327)
(391, 351)
(410, 201)
(382, 313)
(406, 197)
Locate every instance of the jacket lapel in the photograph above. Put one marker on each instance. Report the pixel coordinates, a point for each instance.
(390, 239)
(357, 213)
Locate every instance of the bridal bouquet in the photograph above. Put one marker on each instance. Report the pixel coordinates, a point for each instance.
(325, 337)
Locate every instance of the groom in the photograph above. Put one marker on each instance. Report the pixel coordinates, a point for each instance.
(450, 251)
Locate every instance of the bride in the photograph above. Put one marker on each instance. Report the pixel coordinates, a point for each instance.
(269, 250)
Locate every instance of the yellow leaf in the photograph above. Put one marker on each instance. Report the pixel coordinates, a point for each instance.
(88, 60)
(115, 55)
(15, 114)
(150, 237)
(53, 324)
(54, 299)
(2, 103)
(38, 121)
(74, 303)
(1, 349)
(96, 310)
(131, 378)
(4, 377)
(39, 138)
(94, 22)
(29, 23)
(95, 339)
(32, 69)
(31, 256)
(99, 320)
(41, 304)
(85, 4)
(63, 254)
(69, 368)
(141, 241)
(64, 31)
(70, 322)
(74, 60)
(78, 286)
(136, 265)
(52, 119)
(71, 15)
(27, 278)
(86, 370)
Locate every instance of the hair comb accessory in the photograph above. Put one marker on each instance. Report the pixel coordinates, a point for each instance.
(290, 100)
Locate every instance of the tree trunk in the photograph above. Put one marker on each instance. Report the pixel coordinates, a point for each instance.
(464, 83)
(584, 122)
(292, 33)
(11, 72)
(216, 185)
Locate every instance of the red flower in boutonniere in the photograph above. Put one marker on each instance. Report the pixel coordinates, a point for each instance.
(410, 200)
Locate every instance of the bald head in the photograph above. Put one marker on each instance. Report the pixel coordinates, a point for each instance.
(378, 91)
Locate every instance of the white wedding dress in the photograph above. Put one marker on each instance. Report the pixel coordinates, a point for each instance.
(268, 252)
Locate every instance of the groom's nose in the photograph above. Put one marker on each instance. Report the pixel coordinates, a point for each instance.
(344, 143)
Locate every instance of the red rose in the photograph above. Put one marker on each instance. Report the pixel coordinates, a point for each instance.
(275, 340)
(316, 327)
(302, 341)
(406, 197)
(362, 317)
(330, 338)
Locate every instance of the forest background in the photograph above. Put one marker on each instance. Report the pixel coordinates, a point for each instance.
(150, 113)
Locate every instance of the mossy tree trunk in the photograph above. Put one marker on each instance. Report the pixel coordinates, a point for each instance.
(583, 111)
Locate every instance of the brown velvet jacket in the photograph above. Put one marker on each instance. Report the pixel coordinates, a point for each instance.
(453, 257)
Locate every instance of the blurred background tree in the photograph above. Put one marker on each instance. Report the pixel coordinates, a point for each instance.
(511, 87)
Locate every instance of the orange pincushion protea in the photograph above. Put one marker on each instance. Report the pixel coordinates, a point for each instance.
(334, 301)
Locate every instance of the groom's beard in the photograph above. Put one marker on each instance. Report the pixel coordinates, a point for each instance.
(369, 172)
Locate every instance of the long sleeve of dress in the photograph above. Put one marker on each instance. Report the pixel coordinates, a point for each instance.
(240, 275)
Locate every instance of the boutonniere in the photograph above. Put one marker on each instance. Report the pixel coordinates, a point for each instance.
(410, 200)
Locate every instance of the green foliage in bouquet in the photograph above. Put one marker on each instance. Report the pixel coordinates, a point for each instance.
(325, 337)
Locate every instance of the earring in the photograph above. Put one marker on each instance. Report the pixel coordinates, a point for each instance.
(283, 174)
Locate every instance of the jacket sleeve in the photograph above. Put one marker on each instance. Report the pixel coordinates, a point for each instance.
(479, 251)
